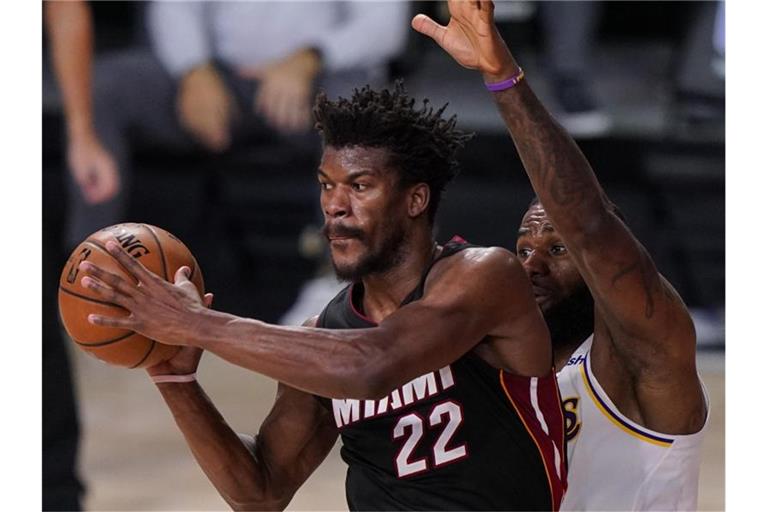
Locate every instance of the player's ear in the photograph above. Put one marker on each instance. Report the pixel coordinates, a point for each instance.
(418, 199)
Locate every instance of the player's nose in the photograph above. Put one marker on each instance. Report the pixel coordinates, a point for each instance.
(535, 264)
(336, 204)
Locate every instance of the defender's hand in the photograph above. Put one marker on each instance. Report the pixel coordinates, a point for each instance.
(471, 38)
(166, 312)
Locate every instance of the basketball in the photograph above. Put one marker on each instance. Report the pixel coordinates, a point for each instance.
(160, 252)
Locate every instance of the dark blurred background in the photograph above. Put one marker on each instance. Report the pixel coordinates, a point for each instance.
(640, 85)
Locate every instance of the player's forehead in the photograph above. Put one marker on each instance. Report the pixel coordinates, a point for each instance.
(354, 160)
(536, 223)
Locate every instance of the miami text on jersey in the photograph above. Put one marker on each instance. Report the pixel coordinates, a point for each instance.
(348, 411)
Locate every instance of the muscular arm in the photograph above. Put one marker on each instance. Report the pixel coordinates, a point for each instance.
(260, 473)
(483, 293)
(645, 316)
(471, 296)
(264, 474)
(644, 325)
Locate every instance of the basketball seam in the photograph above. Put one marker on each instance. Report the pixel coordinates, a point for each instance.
(103, 343)
(160, 248)
(89, 299)
(151, 348)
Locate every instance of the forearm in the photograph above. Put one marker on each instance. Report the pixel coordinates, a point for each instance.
(559, 172)
(229, 464)
(318, 361)
(70, 30)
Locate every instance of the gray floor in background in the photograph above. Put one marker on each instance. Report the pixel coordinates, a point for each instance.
(133, 458)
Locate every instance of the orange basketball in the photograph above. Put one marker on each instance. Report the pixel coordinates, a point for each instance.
(156, 249)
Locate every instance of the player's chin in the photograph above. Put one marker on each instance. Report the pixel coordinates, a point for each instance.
(544, 301)
(346, 271)
(346, 251)
(344, 260)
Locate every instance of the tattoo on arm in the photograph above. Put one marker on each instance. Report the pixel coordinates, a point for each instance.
(554, 163)
(648, 276)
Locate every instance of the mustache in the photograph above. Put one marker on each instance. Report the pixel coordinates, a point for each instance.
(340, 230)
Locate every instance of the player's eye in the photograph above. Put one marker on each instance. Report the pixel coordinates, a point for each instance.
(325, 186)
(359, 187)
(523, 252)
(558, 249)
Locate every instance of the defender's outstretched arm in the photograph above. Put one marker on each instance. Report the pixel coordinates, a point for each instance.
(649, 326)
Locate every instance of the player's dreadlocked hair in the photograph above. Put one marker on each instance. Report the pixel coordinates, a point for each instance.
(421, 143)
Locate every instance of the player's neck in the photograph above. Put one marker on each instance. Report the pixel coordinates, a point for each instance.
(385, 291)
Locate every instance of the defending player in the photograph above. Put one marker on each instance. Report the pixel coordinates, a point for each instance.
(436, 358)
(624, 343)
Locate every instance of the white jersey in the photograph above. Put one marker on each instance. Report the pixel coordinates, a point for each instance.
(614, 463)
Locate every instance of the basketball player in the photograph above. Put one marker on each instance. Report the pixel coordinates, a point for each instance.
(624, 343)
(436, 359)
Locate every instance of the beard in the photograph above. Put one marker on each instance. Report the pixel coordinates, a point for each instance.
(573, 318)
(376, 261)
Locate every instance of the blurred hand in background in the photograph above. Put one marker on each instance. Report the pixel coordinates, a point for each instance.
(93, 168)
(284, 96)
(206, 108)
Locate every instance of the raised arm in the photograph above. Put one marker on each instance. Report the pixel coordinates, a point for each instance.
(476, 294)
(644, 314)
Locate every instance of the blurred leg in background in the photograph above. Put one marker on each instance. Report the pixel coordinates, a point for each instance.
(62, 488)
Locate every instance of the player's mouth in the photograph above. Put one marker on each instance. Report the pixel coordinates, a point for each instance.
(340, 232)
(540, 293)
(341, 242)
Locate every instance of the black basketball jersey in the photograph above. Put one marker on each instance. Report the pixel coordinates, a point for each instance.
(463, 437)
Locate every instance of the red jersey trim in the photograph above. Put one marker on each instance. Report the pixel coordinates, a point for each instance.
(354, 309)
(557, 486)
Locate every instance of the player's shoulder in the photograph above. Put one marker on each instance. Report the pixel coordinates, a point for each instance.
(477, 258)
(478, 262)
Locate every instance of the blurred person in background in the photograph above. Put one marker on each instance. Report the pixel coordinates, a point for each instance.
(222, 74)
(70, 36)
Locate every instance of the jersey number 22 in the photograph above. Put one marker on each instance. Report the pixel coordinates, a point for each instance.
(412, 425)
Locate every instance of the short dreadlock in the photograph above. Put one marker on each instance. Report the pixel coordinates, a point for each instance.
(422, 145)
